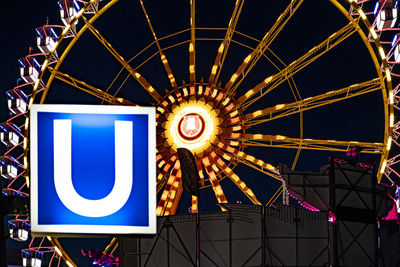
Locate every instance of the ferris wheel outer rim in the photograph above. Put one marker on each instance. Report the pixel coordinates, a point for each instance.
(388, 128)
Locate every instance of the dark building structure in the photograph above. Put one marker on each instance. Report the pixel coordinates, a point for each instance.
(345, 221)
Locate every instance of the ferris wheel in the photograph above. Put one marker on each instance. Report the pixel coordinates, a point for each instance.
(260, 87)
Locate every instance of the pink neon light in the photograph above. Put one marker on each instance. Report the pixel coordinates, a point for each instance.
(332, 217)
(299, 198)
(392, 214)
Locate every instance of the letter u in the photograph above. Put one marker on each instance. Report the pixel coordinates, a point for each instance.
(122, 188)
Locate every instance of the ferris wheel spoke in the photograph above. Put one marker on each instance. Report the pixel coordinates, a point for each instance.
(195, 204)
(165, 167)
(162, 55)
(291, 82)
(200, 170)
(287, 109)
(223, 48)
(87, 88)
(251, 60)
(306, 143)
(175, 197)
(232, 154)
(159, 153)
(138, 77)
(162, 180)
(163, 158)
(212, 171)
(192, 43)
(170, 190)
(273, 81)
(238, 182)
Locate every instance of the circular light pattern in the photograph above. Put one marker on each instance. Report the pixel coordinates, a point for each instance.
(191, 126)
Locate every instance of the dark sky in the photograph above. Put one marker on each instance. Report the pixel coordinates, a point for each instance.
(19, 21)
(125, 27)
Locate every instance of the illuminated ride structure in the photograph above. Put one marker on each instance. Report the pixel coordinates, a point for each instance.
(248, 113)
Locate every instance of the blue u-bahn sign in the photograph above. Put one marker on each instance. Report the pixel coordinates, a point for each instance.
(92, 169)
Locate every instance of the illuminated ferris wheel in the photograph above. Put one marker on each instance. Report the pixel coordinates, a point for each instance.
(245, 104)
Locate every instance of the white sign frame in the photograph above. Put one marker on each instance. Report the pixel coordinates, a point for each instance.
(45, 229)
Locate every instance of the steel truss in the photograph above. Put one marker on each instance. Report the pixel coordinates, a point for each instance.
(287, 235)
(357, 205)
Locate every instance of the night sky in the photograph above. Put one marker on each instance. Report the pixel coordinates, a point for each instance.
(125, 27)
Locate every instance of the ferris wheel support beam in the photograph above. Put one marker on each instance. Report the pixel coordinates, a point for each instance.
(273, 81)
(306, 143)
(163, 57)
(223, 48)
(114, 249)
(192, 43)
(286, 109)
(108, 247)
(87, 88)
(251, 60)
(276, 195)
(138, 77)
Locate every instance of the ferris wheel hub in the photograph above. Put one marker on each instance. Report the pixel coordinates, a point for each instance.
(191, 126)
